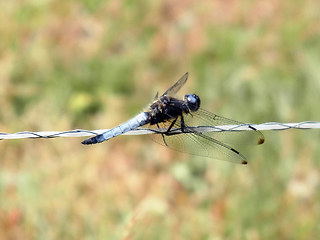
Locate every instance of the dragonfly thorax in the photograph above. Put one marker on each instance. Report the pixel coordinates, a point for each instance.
(193, 102)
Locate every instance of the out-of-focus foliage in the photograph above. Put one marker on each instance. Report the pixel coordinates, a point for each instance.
(92, 64)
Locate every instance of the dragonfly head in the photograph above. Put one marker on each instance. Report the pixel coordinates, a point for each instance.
(193, 102)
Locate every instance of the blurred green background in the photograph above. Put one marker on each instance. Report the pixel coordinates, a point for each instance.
(93, 64)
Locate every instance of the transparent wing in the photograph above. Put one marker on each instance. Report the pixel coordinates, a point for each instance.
(203, 119)
(193, 142)
(176, 87)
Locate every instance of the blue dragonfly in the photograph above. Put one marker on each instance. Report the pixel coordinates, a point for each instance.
(183, 126)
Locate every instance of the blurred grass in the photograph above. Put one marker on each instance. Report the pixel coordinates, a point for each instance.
(92, 64)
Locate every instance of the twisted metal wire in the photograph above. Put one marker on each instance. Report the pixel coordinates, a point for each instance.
(140, 131)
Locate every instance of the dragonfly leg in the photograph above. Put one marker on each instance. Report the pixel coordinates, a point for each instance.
(167, 133)
(183, 126)
(180, 130)
(171, 125)
(162, 135)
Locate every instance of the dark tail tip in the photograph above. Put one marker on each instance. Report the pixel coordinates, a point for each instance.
(88, 141)
(244, 162)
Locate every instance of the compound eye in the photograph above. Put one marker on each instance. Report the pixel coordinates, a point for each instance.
(193, 102)
(191, 99)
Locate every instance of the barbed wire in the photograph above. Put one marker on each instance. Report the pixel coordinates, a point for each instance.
(141, 131)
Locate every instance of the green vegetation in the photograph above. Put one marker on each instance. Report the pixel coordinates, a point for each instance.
(93, 64)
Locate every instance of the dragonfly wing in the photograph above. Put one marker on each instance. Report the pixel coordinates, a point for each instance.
(176, 87)
(202, 119)
(194, 143)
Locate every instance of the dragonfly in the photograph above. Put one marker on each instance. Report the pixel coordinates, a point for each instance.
(182, 125)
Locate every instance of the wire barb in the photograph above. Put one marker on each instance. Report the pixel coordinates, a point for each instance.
(142, 131)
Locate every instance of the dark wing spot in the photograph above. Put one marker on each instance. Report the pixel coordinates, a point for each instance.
(252, 128)
(261, 140)
(232, 149)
